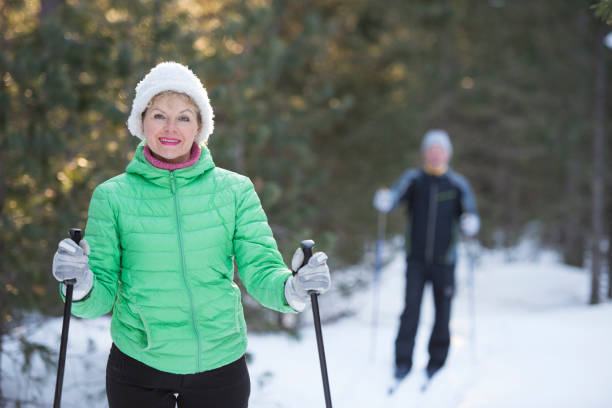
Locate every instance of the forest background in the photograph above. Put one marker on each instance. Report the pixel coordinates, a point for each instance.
(320, 103)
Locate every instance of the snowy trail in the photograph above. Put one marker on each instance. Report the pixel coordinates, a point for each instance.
(537, 345)
(357, 380)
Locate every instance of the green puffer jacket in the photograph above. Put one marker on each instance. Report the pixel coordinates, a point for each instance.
(163, 246)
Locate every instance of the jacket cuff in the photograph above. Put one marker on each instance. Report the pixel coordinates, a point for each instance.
(82, 288)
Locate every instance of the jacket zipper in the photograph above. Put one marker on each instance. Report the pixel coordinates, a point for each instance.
(182, 253)
(431, 225)
(236, 314)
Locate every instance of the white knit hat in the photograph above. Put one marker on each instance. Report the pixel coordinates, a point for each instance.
(170, 76)
(437, 137)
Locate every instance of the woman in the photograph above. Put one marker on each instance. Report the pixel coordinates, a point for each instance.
(164, 237)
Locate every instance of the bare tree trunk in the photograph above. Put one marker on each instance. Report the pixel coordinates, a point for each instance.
(3, 312)
(573, 242)
(3, 118)
(4, 307)
(608, 199)
(1, 351)
(597, 178)
(609, 250)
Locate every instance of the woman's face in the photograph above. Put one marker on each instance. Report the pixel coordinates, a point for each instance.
(170, 126)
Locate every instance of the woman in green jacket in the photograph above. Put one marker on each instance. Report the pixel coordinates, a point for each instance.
(159, 251)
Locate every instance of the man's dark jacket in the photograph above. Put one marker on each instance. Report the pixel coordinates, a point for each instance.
(434, 205)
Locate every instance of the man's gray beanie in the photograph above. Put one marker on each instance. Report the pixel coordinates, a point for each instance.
(437, 137)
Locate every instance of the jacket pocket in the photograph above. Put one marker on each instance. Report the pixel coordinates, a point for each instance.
(134, 326)
(147, 331)
(237, 310)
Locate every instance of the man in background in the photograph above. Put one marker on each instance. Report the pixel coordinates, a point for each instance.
(439, 203)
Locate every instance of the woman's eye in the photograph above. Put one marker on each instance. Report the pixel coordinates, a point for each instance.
(158, 116)
(184, 118)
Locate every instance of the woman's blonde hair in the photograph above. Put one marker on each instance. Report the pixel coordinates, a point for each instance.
(185, 97)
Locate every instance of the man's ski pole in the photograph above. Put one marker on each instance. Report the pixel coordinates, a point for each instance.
(76, 235)
(471, 294)
(380, 241)
(307, 246)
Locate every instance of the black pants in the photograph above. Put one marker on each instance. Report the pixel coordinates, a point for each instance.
(443, 279)
(130, 383)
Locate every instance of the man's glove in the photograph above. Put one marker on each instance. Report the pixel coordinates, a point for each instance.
(71, 261)
(312, 277)
(383, 200)
(470, 224)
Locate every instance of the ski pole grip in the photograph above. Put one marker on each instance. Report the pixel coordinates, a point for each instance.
(76, 234)
(306, 246)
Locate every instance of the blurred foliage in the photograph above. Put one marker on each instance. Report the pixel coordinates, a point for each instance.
(603, 10)
(319, 102)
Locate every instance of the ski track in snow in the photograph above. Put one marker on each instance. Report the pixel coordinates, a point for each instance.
(536, 344)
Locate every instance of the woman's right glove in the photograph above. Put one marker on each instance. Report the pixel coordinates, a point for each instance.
(71, 261)
(312, 277)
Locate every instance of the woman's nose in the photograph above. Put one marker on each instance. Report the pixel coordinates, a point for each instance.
(171, 125)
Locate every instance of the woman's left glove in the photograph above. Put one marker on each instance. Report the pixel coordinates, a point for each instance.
(310, 278)
(71, 261)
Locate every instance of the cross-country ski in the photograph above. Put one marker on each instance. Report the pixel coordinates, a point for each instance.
(426, 383)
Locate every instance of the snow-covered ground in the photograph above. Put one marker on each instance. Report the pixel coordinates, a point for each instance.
(535, 343)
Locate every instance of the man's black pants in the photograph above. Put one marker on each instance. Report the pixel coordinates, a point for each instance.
(442, 278)
(130, 383)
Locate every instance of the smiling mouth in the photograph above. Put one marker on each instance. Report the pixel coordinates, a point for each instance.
(168, 141)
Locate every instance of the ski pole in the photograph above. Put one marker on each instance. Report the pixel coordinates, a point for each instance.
(76, 235)
(380, 241)
(471, 295)
(307, 246)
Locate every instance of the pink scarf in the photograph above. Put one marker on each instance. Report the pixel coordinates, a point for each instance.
(194, 157)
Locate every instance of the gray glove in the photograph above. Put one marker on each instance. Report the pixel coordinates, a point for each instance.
(312, 277)
(383, 200)
(71, 261)
(470, 224)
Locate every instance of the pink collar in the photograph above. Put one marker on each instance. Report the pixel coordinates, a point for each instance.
(194, 157)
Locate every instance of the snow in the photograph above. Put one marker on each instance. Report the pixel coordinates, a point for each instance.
(535, 343)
